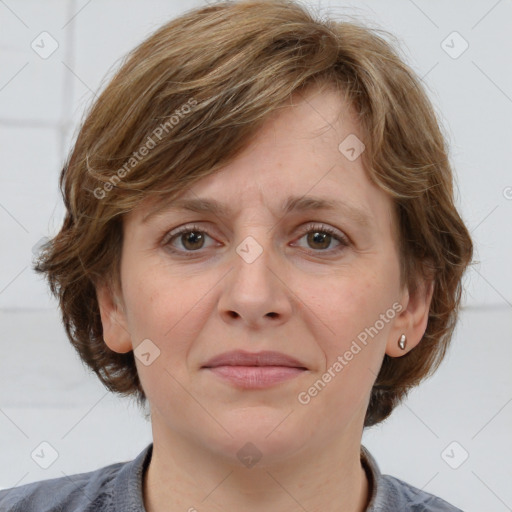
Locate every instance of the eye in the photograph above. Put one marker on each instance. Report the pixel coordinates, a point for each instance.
(319, 236)
(191, 239)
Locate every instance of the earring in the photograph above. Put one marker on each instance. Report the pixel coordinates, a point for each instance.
(402, 342)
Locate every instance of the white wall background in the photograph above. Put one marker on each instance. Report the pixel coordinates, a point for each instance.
(47, 395)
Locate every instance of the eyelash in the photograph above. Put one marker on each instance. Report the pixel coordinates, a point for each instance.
(321, 228)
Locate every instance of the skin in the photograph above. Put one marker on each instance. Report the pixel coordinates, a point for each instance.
(322, 295)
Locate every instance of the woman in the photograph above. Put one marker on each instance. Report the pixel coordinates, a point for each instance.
(260, 242)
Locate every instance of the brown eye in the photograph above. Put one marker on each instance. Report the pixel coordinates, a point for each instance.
(192, 240)
(319, 239)
(186, 240)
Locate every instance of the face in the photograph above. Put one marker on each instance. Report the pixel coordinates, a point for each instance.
(320, 285)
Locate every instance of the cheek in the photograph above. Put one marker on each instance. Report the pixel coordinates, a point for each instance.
(166, 308)
(353, 345)
(153, 294)
(162, 310)
(351, 302)
(355, 312)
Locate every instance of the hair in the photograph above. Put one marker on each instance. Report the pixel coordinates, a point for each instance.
(194, 94)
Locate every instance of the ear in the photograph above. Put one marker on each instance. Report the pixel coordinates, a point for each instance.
(113, 319)
(412, 319)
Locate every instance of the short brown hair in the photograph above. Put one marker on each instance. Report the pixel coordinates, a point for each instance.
(209, 79)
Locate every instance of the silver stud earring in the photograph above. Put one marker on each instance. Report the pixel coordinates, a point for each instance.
(402, 342)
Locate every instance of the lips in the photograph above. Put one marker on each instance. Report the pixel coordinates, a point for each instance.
(255, 370)
(264, 358)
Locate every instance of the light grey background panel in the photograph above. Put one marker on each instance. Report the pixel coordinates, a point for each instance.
(451, 437)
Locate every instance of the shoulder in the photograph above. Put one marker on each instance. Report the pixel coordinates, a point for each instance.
(390, 493)
(80, 492)
(411, 498)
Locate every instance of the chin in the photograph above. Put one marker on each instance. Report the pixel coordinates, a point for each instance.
(258, 441)
(249, 452)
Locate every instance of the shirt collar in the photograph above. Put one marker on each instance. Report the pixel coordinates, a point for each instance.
(129, 482)
(382, 497)
(373, 474)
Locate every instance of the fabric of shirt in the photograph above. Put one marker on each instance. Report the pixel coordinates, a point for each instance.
(118, 488)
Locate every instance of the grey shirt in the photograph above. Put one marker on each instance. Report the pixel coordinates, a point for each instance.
(118, 488)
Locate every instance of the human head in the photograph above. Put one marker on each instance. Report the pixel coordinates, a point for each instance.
(244, 61)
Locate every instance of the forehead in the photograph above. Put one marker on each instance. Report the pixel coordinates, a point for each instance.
(293, 163)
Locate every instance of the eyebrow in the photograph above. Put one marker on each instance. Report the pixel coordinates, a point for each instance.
(292, 204)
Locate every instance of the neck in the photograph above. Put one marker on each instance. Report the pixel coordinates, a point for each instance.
(183, 476)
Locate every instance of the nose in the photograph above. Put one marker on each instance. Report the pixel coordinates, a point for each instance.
(256, 292)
